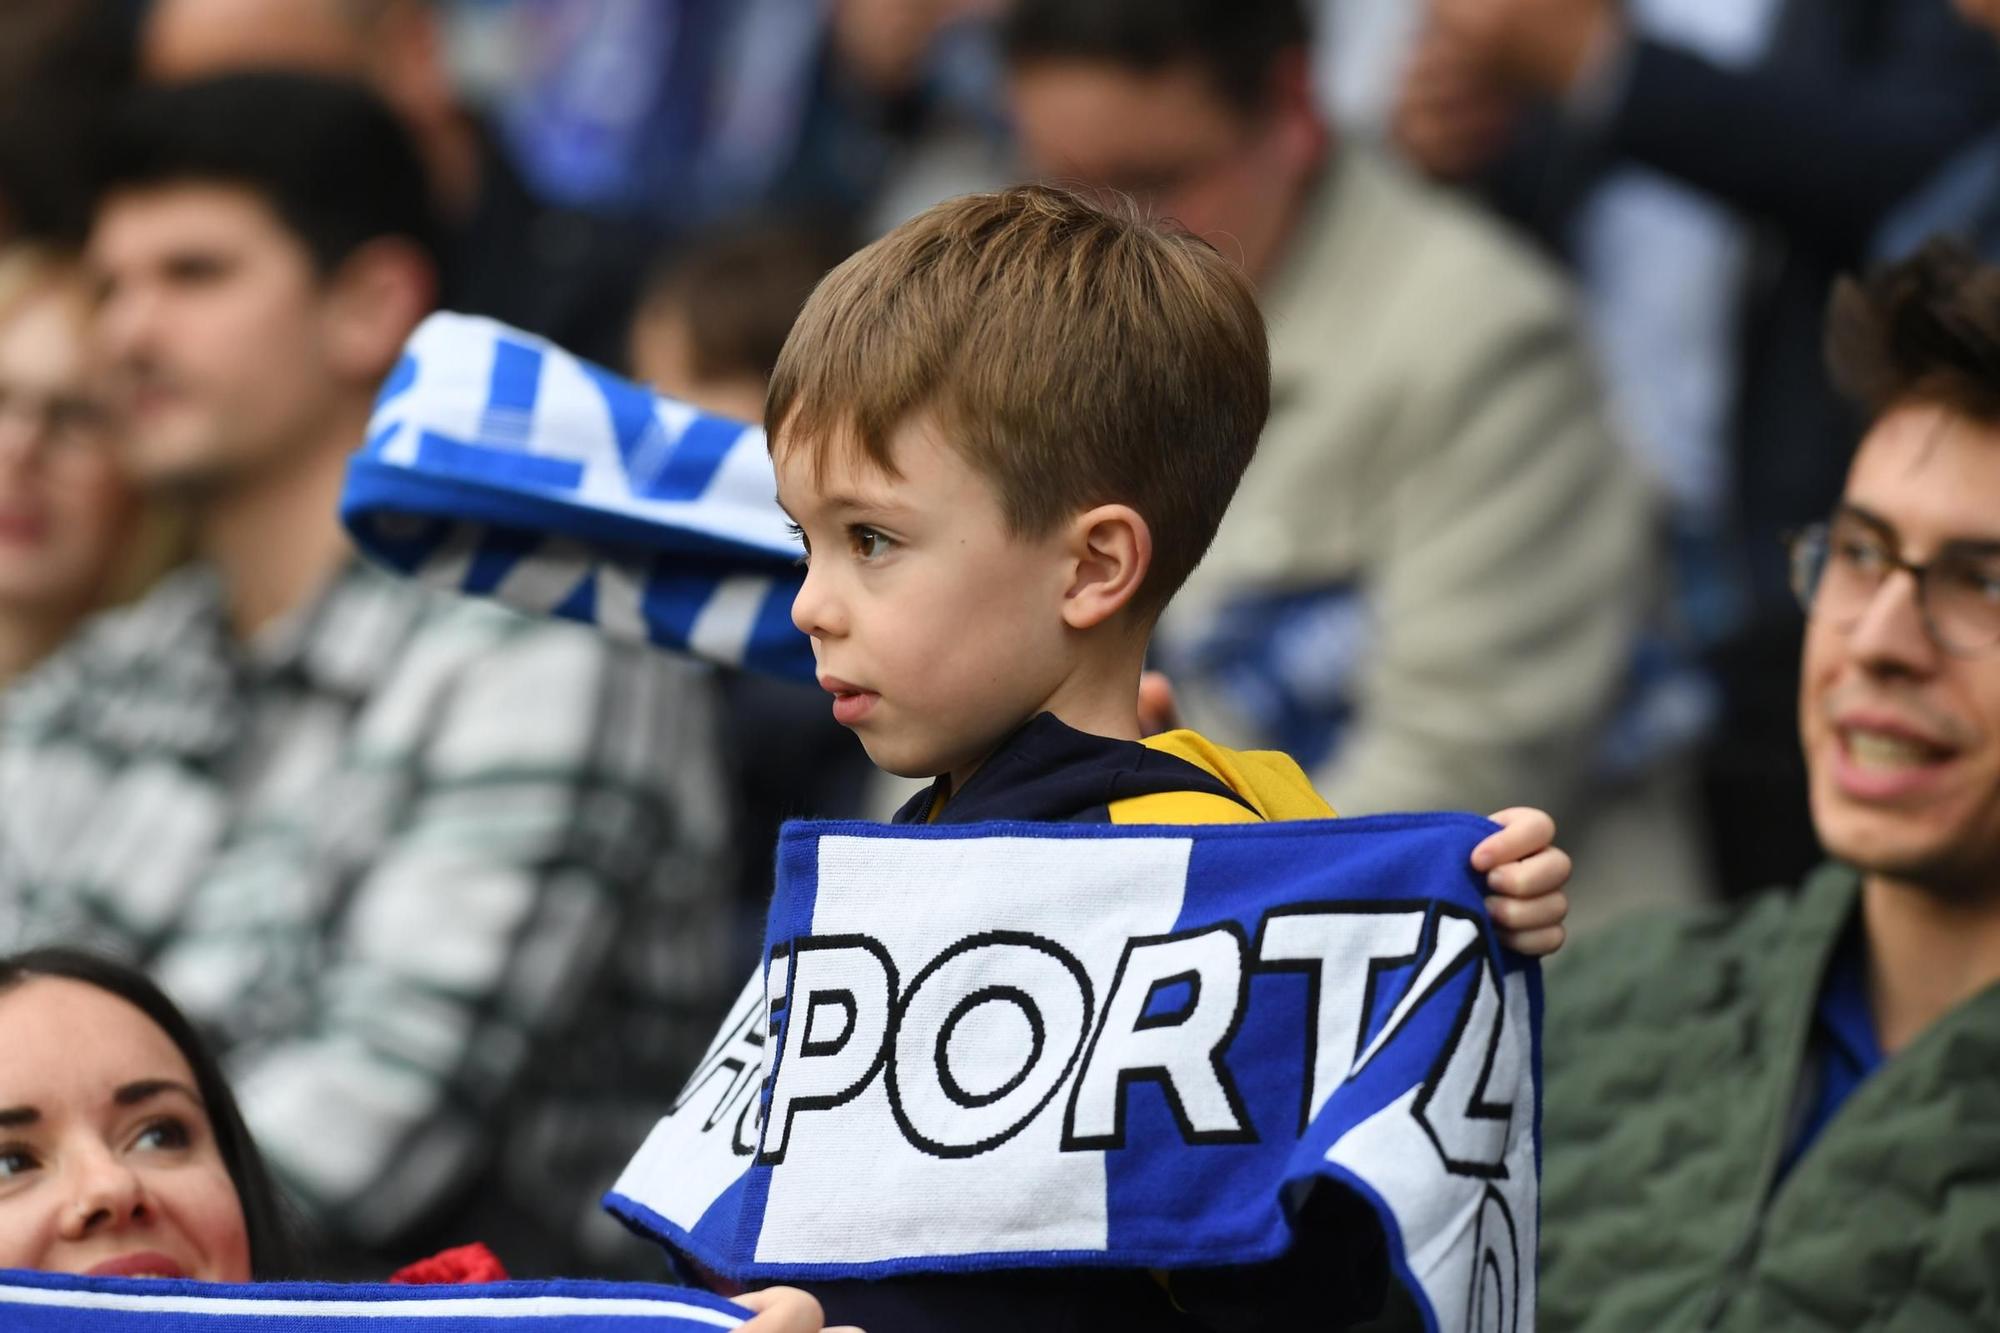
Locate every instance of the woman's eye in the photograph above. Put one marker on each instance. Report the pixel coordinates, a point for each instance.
(16, 1161)
(164, 1135)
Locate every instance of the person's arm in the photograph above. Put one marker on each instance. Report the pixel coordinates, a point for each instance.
(1507, 586)
(556, 777)
(1824, 157)
(1816, 139)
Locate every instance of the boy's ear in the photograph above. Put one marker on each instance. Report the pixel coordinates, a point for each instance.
(1113, 549)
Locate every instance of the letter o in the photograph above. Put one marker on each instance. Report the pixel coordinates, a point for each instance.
(966, 1103)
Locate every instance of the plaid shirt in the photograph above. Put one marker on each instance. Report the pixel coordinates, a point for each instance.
(445, 883)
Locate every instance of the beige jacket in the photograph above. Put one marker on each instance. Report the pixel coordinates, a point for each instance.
(1439, 443)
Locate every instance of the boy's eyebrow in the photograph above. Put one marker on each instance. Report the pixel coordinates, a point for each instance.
(844, 502)
(863, 503)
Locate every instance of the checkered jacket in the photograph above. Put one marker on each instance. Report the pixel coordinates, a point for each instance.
(444, 882)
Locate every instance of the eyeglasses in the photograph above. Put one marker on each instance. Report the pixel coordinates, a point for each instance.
(65, 423)
(1839, 567)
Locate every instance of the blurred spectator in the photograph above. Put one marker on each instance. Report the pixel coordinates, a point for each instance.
(1784, 1116)
(61, 63)
(444, 883)
(1963, 198)
(906, 109)
(692, 112)
(72, 539)
(1431, 582)
(1711, 165)
(715, 312)
(1358, 60)
(708, 332)
(566, 274)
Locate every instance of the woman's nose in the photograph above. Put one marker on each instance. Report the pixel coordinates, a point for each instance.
(106, 1195)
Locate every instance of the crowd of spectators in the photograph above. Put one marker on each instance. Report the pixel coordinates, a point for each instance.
(456, 893)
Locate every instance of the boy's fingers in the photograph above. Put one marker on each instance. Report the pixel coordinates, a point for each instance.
(1523, 832)
(1535, 943)
(781, 1310)
(1531, 876)
(1517, 914)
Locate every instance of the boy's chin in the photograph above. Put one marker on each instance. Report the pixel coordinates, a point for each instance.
(899, 763)
(906, 762)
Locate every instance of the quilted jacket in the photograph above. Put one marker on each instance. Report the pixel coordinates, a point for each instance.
(1675, 1052)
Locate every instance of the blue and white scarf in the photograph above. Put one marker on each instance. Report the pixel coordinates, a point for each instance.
(57, 1303)
(499, 465)
(1027, 1046)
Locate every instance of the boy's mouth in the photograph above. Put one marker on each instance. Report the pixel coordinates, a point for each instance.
(851, 703)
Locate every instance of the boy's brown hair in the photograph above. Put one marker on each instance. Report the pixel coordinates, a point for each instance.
(1074, 356)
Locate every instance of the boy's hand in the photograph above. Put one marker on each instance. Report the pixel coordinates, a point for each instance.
(1525, 874)
(785, 1310)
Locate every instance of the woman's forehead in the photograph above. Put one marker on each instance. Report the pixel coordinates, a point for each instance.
(59, 1033)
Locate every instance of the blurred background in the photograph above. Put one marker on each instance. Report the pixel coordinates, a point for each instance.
(657, 183)
(1545, 281)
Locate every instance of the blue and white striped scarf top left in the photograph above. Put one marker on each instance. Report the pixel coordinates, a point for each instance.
(499, 465)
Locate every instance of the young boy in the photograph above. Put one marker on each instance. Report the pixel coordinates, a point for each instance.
(1005, 434)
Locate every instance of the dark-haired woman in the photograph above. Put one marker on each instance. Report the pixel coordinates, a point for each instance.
(121, 1149)
(122, 1152)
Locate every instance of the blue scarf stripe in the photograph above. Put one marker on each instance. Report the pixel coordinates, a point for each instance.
(57, 1303)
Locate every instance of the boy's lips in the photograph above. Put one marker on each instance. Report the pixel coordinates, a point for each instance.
(851, 703)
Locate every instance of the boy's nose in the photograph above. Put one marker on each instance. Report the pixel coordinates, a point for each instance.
(815, 611)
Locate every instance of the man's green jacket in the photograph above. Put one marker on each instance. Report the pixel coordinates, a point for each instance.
(1676, 1057)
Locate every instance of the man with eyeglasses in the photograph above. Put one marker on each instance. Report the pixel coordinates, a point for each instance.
(1789, 1116)
(1424, 590)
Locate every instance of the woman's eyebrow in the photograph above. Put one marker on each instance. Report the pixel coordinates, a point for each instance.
(14, 1117)
(145, 1089)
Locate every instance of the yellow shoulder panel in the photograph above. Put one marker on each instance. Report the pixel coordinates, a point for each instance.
(1180, 807)
(1273, 783)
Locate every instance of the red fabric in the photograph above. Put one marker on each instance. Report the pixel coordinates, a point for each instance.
(462, 1263)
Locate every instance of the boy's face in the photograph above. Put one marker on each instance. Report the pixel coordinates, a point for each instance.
(936, 630)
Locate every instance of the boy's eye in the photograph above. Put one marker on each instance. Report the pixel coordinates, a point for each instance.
(16, 1160)
(869, 543)
(799, 536)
